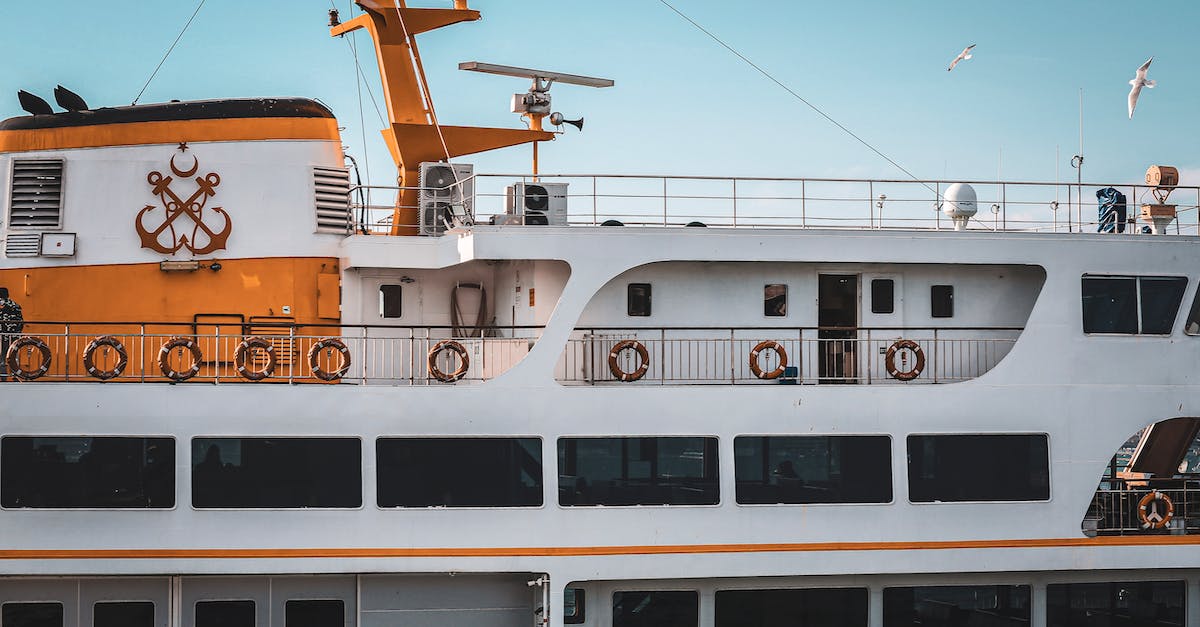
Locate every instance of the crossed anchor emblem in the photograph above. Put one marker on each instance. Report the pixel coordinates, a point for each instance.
(176, 207)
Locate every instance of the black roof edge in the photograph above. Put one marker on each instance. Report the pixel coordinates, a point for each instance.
(176, 111)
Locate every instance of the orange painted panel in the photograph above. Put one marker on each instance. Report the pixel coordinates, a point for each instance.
(329, 296)
(143, 133)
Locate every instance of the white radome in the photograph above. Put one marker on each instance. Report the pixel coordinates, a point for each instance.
(959, 204)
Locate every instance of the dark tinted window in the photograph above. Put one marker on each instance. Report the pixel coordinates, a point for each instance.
(574, 606)
(1160, 298)
(389, 301)
(637, 471)
(459, 472)
(978, 468)
(675, 608)
(1157, 604)
(638, 299)
(31, 615)
(956, 606)
(845, 607)
(813, 469)
(276, 472)
(775, 300)
(883, 296)
(1193, 320)
(941, 299)
(1109, 305)
(124, 614)
(87, 472)
(225, 614)
(315, 614)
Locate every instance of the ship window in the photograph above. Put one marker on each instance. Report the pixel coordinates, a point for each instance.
(941, 301)
(834, 607)
(775, 300)
(883, 296)
(978, 468)
(1141, 603)
(1132, 305)
(951, 606)
(637, 471)
(123, 614)
(459, 472)
(106, 472)
(813, 469)
(31, 615)
(323, 613)
(638, 299)
(573, 606)
(389, 301)
(225, 614)
(276, 472)
(668, 608)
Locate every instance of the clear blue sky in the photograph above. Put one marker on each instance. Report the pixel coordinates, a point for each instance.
(682, 104)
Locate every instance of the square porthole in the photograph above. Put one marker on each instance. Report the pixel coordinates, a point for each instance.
(941, 301)
(638, 299)
(775, 300)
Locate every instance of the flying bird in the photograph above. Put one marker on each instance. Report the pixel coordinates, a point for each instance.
(1139, 81)
(962, 56)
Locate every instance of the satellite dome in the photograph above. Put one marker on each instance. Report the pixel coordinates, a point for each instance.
(959, 204)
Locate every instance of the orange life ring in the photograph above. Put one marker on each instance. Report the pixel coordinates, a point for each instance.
(243, 353)
(615, 368)
(757, 369)
(911, 373)
(14, 364)
(89, 358)
(165, 352)
(314, 353)
(458, 349)
(1155, 519)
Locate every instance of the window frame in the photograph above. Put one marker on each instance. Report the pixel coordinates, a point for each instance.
(891, 467)
(629, 310)
(934, 311)
(61, 605)
(784, 295)
(152, 604)
(383, 301)
(392, 508)
(1049, 469)
(362, 474)
(892, 309)
(1137, 304)
(591, 506)
(612, 599)
(197, 602)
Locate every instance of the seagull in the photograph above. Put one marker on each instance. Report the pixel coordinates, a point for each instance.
(962, 56)
(1139, 81)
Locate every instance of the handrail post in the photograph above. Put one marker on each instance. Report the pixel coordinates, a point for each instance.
(735, 202)
(664, 181)
(217, 350)
(662, 356)
(732, 358)
(869, 355)
(67, 352)
(363, 345)
(937, 362)
(870, 207)
(142, 351)
(803, 203)
(595, 219)
(292, 354)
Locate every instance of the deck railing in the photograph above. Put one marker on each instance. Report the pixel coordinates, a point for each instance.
(1115, 507)
(711, 355)
(769, 202)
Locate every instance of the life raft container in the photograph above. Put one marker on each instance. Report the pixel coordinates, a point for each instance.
(89, 358)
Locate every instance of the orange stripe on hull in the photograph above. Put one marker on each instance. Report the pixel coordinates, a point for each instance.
(1131, 541)
(171, 132)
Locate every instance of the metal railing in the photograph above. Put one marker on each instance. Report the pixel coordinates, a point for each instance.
(763, 202)
(712, 356)
(1114, 508)
(373, 354)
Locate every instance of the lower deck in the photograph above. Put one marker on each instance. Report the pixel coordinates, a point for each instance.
(1161, 598)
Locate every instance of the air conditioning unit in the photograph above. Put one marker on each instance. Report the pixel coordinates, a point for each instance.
(538, 203)
(447, 196)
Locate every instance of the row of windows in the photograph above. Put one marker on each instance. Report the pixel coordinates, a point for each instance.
(1158, 603)
(236, 613)
(883, 299)
(131, 472)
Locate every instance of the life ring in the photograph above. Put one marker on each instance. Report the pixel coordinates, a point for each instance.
(89, 358)
(314, 355)
(454, 347)
(243, 353)
(1155, 518)
(164, 354)
(14, 364)
(757, 369)
(615, 367)
(911, 373)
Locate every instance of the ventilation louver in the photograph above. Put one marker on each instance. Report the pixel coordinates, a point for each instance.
(22, 244)
(332, 187)
(36, 201)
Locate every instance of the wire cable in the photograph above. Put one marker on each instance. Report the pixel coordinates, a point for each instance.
(796, 95)
(169, 50)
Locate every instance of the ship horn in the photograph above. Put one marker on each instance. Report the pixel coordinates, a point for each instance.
(576, 123)
(33, 104)
(69, 100)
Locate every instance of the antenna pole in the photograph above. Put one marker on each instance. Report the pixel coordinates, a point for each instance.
(535, 162)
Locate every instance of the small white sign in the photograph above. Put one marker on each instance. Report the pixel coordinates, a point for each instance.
(58, 244)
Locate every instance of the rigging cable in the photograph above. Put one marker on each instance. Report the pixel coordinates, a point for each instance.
(797, 96)
(169, 50)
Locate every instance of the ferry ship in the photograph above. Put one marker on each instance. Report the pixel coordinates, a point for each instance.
(251, 391)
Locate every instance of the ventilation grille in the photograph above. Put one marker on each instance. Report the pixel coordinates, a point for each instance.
(36, 194)
(332, 186)
(23, 244)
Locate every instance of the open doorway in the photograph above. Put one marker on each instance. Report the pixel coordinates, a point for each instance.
(837, 322)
